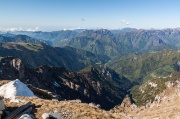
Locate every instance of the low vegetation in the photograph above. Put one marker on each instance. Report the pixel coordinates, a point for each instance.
(142, 67)
(67, 109)
(35, 55)
(147, 92)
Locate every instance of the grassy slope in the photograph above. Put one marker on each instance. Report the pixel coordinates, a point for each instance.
(142, 67)
(35, 55)
(146, 93)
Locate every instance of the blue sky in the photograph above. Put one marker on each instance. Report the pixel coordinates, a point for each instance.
(69, 14)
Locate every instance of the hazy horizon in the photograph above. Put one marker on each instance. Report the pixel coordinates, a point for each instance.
(46, 15)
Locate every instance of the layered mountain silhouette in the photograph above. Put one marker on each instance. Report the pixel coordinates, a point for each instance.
(104, 42)
(4, 38)
(111, 43)
(46, 62)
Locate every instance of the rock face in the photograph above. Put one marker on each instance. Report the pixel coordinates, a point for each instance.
(126, 102)
(99, 85)
(88, 86)
(125, 106)
(2, 106)
(165, 104)
(11, 68)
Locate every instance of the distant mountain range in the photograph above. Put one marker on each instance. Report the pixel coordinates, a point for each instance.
(111, 43)
(101, 42)
(4, 38)
(104, 42)
(48, 36)
(100, 45)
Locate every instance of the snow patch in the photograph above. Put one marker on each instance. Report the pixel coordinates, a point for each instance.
(15, 88)
(152, 84)
(57, 84)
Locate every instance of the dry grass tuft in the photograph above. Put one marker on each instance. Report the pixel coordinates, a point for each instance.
(68, 109)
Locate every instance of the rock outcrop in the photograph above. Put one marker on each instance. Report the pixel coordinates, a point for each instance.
(125, 107)
(11, 68)
(164, 106)
(2, 106)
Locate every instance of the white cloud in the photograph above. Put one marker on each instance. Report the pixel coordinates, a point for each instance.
(20, 29)
(76, 28)
(37, 28)
(11, 29)
(125, 22)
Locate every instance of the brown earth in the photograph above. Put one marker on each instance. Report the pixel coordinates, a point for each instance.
(73, 109)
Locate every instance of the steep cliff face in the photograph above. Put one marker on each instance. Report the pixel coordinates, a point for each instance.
(99, 84)
(11, 68)
(90, 86)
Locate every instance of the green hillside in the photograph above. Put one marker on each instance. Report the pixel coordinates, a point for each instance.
(147, 92)
(35, 55)
(142, 67)
(101, 42)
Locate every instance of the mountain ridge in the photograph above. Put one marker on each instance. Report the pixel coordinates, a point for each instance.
(99, 85)
(35, 55)
(141, 67)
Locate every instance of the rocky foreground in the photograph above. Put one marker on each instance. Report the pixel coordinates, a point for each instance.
(160, 97)
(165, 106)
(73, 109)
